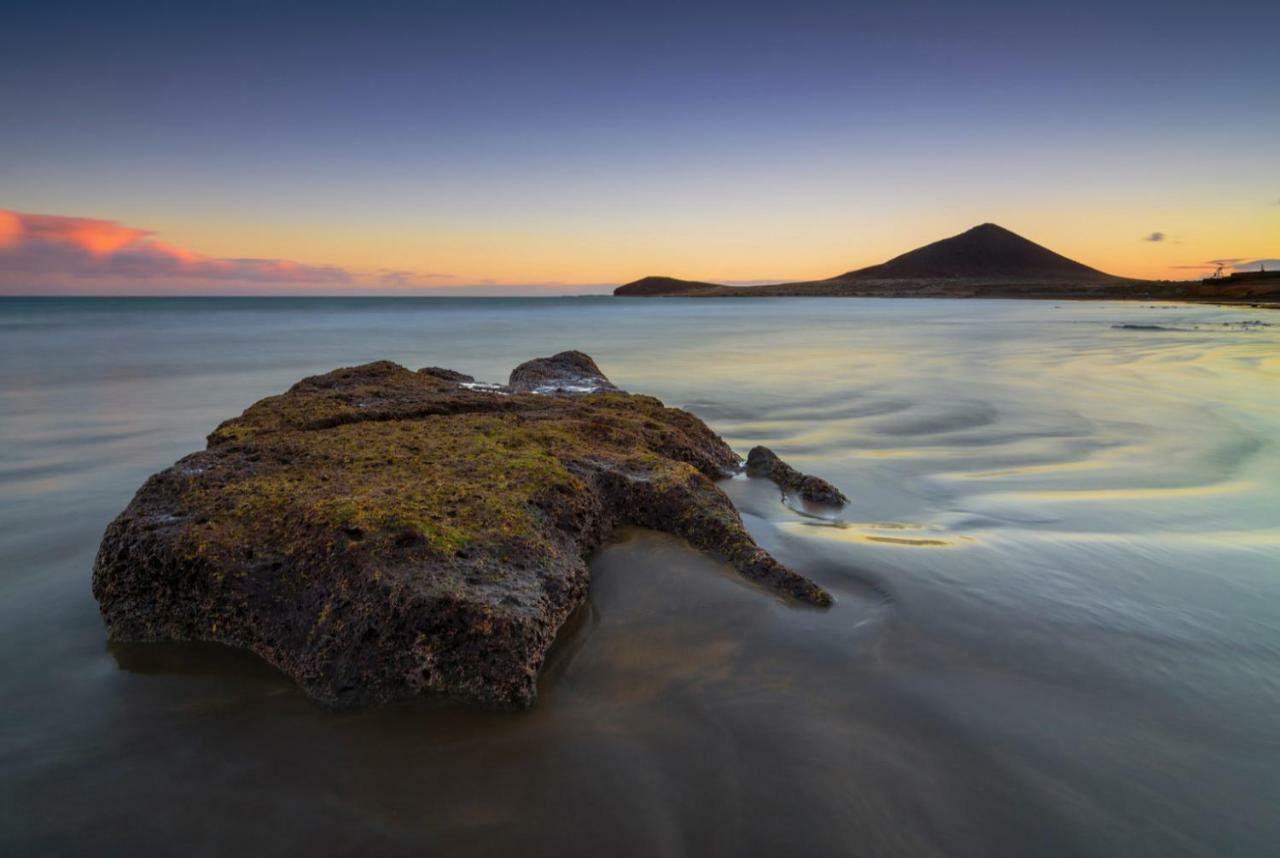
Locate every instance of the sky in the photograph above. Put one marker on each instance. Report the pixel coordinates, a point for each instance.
(546, 148)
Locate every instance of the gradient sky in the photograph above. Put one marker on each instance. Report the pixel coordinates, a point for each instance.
(149, 147)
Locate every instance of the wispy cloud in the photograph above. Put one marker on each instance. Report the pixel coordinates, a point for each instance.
(35, 245)
(60, 255)
(1257, 265)
(1155, 236)
(1234, 263)
(1211, 264)
(394, 279)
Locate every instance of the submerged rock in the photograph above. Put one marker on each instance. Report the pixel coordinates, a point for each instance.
(378, 533)
(763, 462)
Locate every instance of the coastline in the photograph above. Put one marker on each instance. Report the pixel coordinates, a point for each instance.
(1268, 304)
(987, 261)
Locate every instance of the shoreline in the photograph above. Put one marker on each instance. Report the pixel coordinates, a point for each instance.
(1267, 304)
(1214, 302)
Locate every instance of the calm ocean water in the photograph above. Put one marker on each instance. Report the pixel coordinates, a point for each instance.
(1058, 583)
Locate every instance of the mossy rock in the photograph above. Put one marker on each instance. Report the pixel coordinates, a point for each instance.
(763, 462)
(378, 533)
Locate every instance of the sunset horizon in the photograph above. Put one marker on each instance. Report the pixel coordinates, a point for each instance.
(698, 429)
(557, 149)
(62, 255)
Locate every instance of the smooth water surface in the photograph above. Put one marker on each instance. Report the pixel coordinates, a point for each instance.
(1058, 582)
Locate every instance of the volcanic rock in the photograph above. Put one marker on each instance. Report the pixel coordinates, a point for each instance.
(377, 533)
(567, 372)
(763, 462)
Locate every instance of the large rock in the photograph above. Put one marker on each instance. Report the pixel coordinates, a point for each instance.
(377, 533)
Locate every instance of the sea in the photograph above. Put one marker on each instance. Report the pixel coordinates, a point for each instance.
(1056, 629)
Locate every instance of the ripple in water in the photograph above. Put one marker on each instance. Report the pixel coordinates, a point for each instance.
(1056, 631)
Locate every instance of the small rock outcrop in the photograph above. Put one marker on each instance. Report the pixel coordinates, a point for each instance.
(763, 462)
(378, 533)
(567, 372)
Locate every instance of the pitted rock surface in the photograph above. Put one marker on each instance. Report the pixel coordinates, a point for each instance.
(377, 533)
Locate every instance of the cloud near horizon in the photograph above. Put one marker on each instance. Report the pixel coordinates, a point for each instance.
(56, 246)
(1256, 264)
(407, 279)
(1235, 263)
(1155, 236)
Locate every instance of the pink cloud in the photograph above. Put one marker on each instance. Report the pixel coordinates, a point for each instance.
(10, 228)
(36, 246)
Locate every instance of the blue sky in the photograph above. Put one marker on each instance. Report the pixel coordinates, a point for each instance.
(575, 143)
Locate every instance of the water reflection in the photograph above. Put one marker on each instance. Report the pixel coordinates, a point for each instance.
(1056, 631)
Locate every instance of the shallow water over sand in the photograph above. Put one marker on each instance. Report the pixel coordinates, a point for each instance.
(1058, 581)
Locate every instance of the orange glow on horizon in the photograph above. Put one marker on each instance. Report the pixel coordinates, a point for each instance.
(392, 255)
(742, 246)
(10, 228)
(88, 249)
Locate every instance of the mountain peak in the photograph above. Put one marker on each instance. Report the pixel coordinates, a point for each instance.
(987, 250)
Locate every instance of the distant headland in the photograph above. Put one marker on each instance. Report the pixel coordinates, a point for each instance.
(987, 261)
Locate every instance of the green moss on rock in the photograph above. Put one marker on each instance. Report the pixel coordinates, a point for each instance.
(377, 533)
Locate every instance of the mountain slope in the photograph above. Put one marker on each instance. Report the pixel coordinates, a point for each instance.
(987, 261)
(986, 251)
